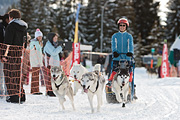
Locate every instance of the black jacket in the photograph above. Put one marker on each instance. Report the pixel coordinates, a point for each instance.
(2, 31)
(15, 32)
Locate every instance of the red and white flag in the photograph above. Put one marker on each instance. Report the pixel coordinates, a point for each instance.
(165, 64)
(76, 53)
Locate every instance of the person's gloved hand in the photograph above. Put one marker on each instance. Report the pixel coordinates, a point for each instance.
(115, 54)
(129, 54)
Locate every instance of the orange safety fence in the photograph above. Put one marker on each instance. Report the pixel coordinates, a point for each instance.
(16, 72)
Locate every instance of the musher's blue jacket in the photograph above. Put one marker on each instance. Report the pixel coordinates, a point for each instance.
(122, 42)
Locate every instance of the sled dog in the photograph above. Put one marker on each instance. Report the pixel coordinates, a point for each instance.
(93, 84)
(61, 86)
(120, 83)
(76, 72)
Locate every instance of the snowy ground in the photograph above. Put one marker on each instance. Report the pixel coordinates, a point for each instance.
(158, 99)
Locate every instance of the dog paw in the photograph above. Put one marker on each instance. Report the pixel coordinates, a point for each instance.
(123, 105)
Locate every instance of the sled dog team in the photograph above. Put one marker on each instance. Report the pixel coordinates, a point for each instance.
(91, 83)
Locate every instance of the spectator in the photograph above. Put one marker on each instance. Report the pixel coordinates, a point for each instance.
(158, 65)
(26, 62)
(101, 60)
(3, 25)
(51, 51)
(178, 64)
(83, 60)
(14, 36)
(107, 64)
(36, 61)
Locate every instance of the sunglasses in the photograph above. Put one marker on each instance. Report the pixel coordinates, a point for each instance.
(122, 25)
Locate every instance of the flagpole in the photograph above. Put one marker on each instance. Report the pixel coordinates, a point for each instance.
(76, 44)
(76, 25)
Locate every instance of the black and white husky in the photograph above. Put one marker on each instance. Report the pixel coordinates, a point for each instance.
(61, 86)
(120, 83)
(93, 84)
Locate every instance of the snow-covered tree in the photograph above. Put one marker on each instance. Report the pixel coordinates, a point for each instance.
(93, 15)
(37, 14)
(27, 11)
(155, 38)
(64, 19)
(146, 15)
(138, 49)
(173, 20)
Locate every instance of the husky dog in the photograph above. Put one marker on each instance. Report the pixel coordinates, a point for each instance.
(93, 84)
(120, 83)
(76, 72)
(61, 86)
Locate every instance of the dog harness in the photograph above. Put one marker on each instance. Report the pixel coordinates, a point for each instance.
(57, 86)
(96, 87)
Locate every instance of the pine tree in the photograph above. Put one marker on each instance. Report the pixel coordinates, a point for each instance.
(173, 20)
(138, 48)
(83, 24)
(43, 18)
(155, 38)
(64, 19)
(93, 12)
(27, 10)
(37, 14)
(146, 15)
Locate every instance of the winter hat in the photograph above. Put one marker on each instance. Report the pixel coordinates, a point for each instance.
(38, 33)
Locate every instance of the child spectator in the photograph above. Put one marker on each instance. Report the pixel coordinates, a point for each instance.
(36, 61)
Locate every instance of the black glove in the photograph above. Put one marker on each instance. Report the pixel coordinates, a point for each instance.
(129, 54)
(115, 54)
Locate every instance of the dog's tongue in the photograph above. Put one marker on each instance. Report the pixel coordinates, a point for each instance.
(86, 90)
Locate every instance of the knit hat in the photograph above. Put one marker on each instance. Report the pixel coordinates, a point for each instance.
(38, 33)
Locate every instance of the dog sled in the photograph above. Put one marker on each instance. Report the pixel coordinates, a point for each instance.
(110, 95)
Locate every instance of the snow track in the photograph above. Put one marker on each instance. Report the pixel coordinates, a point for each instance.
(158, 99)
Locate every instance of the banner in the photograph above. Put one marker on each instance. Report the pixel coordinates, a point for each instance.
(76, 53)
(76, 45)
(165, 64)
